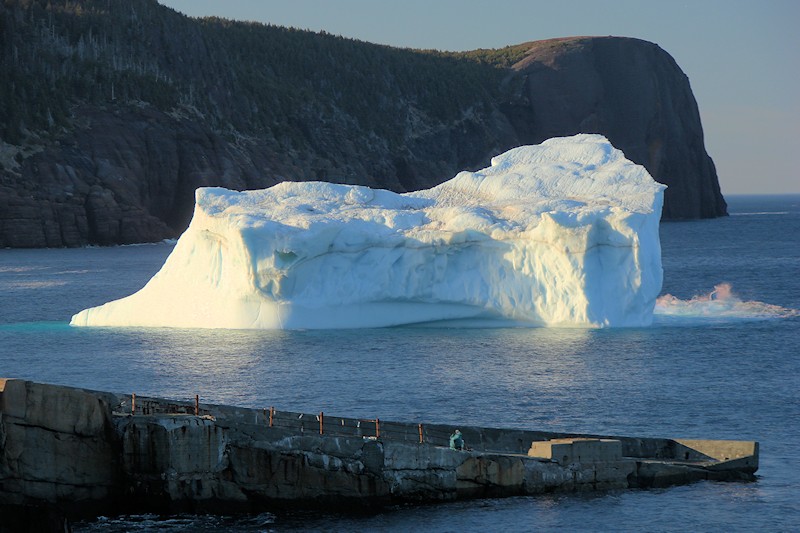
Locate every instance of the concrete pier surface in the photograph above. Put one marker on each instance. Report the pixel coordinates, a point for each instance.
(70, 453)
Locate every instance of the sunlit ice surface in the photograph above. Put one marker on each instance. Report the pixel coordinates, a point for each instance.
(560, 234)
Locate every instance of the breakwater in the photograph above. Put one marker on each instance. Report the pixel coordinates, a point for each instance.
(74, 452)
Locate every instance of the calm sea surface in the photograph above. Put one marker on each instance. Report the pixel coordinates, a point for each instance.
(725, 368)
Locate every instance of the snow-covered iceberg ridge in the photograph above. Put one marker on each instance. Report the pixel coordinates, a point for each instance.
(560, 234)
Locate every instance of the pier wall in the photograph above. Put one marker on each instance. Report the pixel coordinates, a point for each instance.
(90, 453)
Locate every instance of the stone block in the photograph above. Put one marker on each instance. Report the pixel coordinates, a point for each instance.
(173, 443)
(654, 474)
(250, 465)
(496, 471)
(13, 397)
(55, 443)
(422, 485)
(577, 450)
(545, 477)
(373, 457)
(614, 472)
(716, 450)
(402, 456)
(60, 409)
(64, 459)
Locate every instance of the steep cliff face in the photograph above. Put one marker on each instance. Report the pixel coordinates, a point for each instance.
(635, 94)
(113, 113)
(128, 175)
(123, 177)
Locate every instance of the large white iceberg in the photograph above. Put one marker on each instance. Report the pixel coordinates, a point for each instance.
(560, 234)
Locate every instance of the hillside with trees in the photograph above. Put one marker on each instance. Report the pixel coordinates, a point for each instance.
(112, 112)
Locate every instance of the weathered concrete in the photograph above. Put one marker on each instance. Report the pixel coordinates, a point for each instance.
(56, 444)
(577, 450)
(90, 453)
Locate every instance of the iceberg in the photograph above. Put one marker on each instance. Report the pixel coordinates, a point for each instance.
(564, 233)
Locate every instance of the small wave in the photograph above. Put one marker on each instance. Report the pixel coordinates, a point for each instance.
(32, 284)
(721, 303)
(20, 269)
(171, 242)
(759, 213)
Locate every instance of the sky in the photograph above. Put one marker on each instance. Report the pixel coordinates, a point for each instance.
(742, 57)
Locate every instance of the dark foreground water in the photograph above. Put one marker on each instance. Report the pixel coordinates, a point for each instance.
(726, 367)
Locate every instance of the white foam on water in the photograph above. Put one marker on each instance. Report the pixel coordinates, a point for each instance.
(721, 304)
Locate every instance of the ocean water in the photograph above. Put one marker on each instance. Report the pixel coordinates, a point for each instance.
(721, 361)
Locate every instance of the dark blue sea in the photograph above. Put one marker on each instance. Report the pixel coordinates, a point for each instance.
(722, 361)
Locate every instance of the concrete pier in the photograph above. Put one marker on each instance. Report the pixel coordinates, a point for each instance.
(77, 453)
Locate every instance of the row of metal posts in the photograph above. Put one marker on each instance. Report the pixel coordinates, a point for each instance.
(271, 418)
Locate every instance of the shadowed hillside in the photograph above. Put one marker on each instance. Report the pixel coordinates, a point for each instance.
(113, 112)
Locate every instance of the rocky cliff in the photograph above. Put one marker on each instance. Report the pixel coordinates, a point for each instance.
(635, 94)
(112, 113)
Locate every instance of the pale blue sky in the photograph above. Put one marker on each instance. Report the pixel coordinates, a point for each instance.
(742, 57)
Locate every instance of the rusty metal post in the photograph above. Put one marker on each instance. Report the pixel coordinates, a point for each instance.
(196, 405)
(377, 428)
(320, 422)
(420, 434)
(133, 403)
(271, 415)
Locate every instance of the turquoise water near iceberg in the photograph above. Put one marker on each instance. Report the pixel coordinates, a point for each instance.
(722, 366)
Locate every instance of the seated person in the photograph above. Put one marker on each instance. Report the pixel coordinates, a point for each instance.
(457, 441)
